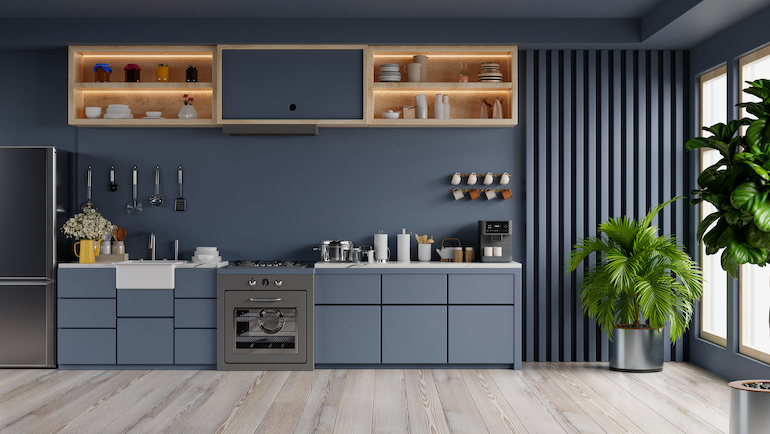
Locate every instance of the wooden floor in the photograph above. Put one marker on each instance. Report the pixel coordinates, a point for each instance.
(541, 398)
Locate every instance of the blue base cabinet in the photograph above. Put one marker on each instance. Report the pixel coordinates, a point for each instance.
(414, 334)
(481, 334)
(347, 334)
(145, 341)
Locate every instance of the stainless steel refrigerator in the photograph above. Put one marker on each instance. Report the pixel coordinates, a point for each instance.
(35, 200)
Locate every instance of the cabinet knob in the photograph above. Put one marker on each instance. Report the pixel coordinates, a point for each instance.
(252, 282)
(265, 282)
(278, 283)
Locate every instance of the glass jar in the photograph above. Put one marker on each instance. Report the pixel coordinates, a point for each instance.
(162, 72)
(132, 72)
(102, 72)
(192, 73)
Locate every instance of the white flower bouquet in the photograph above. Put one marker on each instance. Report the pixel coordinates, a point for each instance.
(88, 225)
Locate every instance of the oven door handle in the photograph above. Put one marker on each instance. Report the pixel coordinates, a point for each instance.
(264, 299)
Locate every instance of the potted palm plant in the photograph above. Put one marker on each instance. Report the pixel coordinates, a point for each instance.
(639, 282)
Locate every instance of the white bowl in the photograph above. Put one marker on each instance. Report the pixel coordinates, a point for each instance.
(93, 112)
(203, 258)
(206, 249)
(390, 65)
(390, 114)
(154, 114)
(125, 106)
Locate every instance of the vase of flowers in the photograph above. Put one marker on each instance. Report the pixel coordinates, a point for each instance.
(187, 111)
(89, 227)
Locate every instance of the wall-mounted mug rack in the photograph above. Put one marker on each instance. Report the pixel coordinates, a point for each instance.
(475, 193)
(486, 178)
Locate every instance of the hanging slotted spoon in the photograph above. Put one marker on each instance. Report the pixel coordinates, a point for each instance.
(134, 207)
(89, 205)
(180, 204)
(156, 199)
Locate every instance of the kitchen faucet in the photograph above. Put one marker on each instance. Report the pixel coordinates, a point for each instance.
(151, 245)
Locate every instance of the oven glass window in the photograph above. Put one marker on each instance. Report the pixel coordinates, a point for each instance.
(266, 331)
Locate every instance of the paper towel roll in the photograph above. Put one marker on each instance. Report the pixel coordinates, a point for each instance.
(381, 247)
(404, 248)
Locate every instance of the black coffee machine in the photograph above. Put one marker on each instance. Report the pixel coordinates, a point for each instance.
(495, 240)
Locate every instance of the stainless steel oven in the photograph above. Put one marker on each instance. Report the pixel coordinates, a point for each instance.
(265, 322)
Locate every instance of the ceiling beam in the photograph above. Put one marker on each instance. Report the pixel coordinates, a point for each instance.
(664, 14)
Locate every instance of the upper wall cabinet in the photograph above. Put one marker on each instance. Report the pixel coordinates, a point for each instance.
(491, 73)
(149, 93)
(291, 84)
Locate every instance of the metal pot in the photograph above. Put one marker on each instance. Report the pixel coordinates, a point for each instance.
(335, 251)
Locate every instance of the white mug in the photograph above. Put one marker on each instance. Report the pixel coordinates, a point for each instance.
(497, 251)
(505, 179)
(457, 193)
(472, 178)
(488, 178)
(490, 193)
(456, 179)
(488, 251)
(424, 252)
(413, 72)
(422, 60)
(421, 99)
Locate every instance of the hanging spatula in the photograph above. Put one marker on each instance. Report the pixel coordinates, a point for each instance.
(88, 205)
(180, 204)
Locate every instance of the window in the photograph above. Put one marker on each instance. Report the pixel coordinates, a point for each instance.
(754, 280)
(713, 318)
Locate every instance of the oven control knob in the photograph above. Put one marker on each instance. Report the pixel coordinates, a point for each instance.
(265, 282)
(278, 283)
(252, 282)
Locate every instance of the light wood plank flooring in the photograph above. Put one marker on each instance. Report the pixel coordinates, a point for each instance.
(541, 398)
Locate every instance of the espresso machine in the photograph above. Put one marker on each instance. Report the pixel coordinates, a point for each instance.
(495, 240)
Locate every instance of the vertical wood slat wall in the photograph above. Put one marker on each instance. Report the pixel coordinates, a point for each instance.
(605, 133)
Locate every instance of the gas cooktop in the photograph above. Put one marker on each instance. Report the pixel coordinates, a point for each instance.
(268, 264)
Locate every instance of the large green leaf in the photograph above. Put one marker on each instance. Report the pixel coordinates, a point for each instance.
(758, 133)
(710, 142)
(729, 263)
(756, 109)
(760, 209)
(706, 223)
(757, 237)
(759, 91)
(720, 236)
(743, 196)
(746, 158)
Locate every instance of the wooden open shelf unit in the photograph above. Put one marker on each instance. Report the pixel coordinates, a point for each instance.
(443, 66)
(147, 94)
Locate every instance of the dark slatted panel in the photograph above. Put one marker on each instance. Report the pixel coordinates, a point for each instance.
(605, 132)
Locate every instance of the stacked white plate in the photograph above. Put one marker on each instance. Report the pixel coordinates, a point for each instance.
(206, 254)
(118, 111)
(389, 72)
(490, 73)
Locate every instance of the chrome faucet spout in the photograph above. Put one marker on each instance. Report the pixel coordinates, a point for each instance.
(151, 245)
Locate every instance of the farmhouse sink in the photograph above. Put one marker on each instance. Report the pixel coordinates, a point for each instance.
(145, 274)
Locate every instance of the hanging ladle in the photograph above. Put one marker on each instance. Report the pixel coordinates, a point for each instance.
(89, 205)
(134, 207)
(112, 186)
(156, 199)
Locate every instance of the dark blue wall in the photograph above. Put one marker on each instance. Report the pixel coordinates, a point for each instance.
(725, 49)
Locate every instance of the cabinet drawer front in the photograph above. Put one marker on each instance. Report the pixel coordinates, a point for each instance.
(195, 347)
(262, 84)
(145, 341)
(195, 313)
(481, 289)
(414, 334)
(414, 289)
(347, 334)
(347, 289)
(86, 347)
(146, 302)
(86, 313)
(85, 283)
(195, 283)
(481, 334)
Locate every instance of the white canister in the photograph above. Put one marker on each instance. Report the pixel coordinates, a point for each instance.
(423, 61)
(423, 252)
(403, 241)
(381, 247)
(106, 247)
(488, 251)
(422, 112)
(498, 251)
(413, 72)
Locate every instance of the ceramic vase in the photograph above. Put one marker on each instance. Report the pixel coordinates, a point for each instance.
(187, 112)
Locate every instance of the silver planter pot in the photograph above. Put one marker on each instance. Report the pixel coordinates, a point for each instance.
(636, 349)
(748, 408)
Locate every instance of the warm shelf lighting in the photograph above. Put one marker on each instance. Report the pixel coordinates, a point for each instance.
(133, 56)
(454, 56)
(90, 90)
(441, 91)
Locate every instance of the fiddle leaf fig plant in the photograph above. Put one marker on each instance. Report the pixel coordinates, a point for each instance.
(738, 185)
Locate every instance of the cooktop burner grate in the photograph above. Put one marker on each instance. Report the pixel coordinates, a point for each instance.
(268, 264)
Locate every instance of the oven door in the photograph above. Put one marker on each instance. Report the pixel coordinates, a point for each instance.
(265, 326)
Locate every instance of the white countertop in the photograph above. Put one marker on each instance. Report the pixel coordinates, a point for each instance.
(185, 264)
(417, 264)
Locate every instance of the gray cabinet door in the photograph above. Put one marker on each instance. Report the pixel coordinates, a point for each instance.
(481, 334)
(145, 341)
(414, 334)
(195, 313)
(195, 346)
(414, 289)
(85, 283)
(195, 283)
(145, 302)
(347, 334)
(347, 289)
(86, 313)
(86, 347)
(481, 289)
(292, 84)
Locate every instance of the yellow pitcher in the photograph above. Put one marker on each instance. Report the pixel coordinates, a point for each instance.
(88, 250)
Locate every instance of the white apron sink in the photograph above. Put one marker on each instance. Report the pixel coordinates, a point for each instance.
(145, 274)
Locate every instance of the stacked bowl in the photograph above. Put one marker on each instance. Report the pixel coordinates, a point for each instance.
(118, 111)
(490, 73)
(389, 72)
(206, 254)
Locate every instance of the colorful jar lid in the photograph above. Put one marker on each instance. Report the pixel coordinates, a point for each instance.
(104, 66)
(133, 66)
(162, 64)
